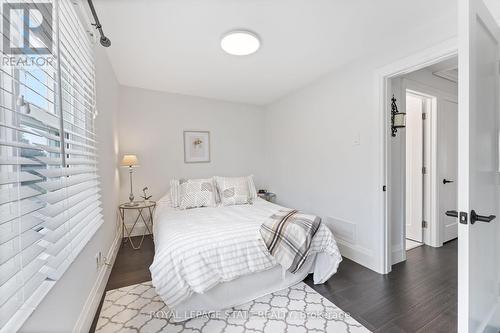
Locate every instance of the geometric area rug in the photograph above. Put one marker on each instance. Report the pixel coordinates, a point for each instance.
(300, 308)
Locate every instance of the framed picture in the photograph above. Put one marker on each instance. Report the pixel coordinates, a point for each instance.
(196, 146)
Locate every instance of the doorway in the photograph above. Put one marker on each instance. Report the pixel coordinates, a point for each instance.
(417, 106)
(422, 110)
(478, 191)
(423, 168)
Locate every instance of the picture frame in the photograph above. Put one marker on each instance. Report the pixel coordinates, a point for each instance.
(196, 147)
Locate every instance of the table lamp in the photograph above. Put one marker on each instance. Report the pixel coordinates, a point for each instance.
(131, 162)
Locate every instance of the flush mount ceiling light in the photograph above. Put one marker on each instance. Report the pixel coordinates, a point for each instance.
(240, 42)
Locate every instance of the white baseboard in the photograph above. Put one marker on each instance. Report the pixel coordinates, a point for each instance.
(398, 255)
(496, 316)
(492, 321)
(92, 303)
(358, 254)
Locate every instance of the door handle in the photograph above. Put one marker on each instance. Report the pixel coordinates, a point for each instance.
(451, 213)
(446, 181)
(474, 217)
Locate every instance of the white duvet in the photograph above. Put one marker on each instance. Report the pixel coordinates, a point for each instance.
(196, 249)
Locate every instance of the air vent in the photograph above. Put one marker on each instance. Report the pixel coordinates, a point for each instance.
(342, 230)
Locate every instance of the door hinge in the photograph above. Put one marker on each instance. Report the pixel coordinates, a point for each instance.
(424, 170)
(424, 115)
(424, 224)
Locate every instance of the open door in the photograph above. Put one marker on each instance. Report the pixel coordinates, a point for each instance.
(478, 176)
(414, 163)
(447, 154)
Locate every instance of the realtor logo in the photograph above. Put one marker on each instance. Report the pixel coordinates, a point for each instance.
(27, 28)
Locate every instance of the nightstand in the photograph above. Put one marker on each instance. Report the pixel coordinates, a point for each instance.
(138, 208)
(268, 196)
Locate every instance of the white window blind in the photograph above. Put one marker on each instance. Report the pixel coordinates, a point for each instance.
(49, 188)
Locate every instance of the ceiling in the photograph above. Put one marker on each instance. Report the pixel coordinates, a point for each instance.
(173, 45)
(447, 69)
(444, 65)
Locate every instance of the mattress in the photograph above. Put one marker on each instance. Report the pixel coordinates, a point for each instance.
(199, 249)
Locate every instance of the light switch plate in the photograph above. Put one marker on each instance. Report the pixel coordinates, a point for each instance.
(357, 139)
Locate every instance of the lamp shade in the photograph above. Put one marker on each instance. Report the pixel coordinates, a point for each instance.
(130, 160)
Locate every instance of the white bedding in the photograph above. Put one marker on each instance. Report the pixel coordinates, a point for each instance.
(199, 248)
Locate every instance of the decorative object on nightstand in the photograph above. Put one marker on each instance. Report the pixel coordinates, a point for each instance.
(131, 162)
(146, 197)
(139, 207)
(268, 196)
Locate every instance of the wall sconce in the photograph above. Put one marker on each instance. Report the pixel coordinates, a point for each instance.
(398, 119)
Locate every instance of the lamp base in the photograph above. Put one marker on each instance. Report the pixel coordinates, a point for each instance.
(132, 204)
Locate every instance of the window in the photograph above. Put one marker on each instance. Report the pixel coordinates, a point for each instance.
(49, 187)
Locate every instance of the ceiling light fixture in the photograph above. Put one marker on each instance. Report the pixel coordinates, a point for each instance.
(240, 42)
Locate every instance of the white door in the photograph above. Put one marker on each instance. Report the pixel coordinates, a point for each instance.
(447, 154)
(414, 164)
(478, 246)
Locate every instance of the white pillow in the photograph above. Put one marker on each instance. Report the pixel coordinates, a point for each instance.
(233, 190)
(251, 187)
(174, 192)
(165, 200)
(197, 193)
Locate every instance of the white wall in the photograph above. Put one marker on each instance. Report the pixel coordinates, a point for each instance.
(323, 150)
(152, 123)
(322, 155)
(61, 308)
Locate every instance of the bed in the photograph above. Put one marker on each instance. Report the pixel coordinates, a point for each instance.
(212, 258)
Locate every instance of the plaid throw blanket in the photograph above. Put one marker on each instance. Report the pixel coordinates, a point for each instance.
(288, 235)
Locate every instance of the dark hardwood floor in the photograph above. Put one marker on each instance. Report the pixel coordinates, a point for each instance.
(419, 295)
(131, 267)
